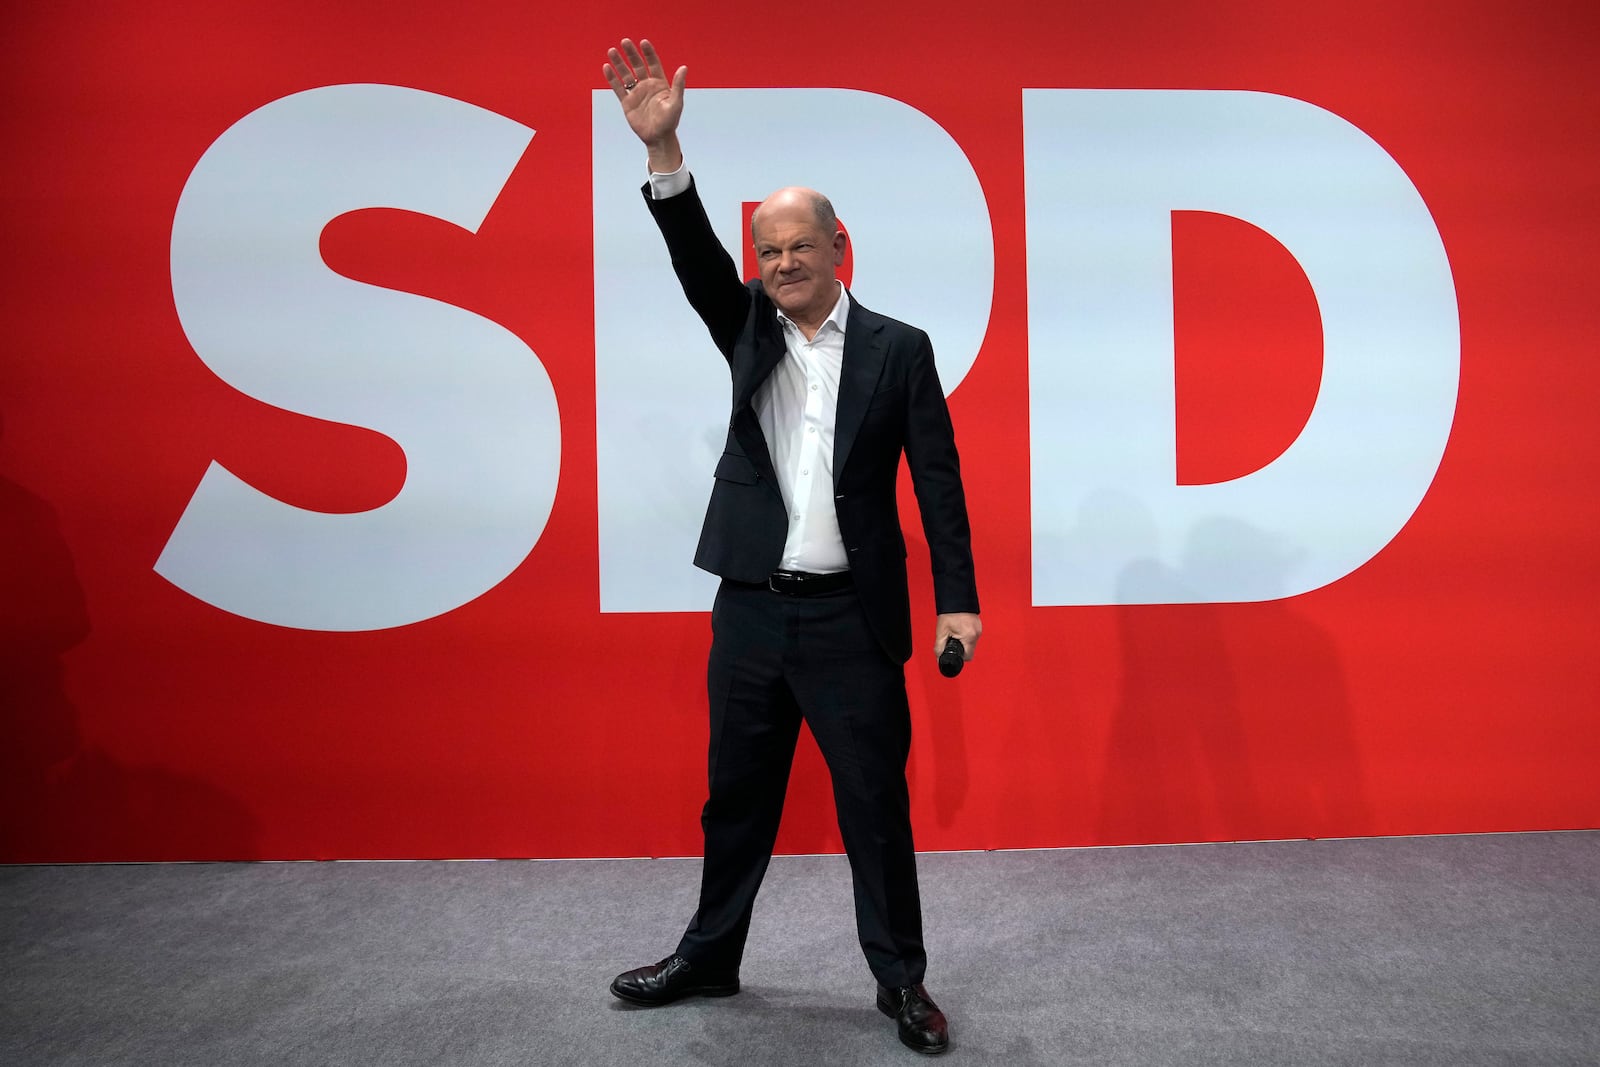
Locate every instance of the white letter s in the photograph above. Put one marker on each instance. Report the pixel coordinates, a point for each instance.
(468, 402)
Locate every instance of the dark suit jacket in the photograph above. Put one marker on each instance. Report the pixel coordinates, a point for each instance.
(889, 400)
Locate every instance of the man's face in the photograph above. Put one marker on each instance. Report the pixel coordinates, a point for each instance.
(798, 259)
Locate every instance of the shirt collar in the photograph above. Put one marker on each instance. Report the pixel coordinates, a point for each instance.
(837, 317)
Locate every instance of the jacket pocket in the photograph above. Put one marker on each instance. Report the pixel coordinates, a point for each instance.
(736, 468)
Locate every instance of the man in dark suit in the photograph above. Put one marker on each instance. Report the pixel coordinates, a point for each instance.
(812, 619)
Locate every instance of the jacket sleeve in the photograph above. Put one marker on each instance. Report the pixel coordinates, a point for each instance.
(704, 268)
(930, 445)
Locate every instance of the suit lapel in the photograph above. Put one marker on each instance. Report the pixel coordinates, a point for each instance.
(865, 349)
(769, 352)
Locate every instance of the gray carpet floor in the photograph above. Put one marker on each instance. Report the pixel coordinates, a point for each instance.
(1444, 950)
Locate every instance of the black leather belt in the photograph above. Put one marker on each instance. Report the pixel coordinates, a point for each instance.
(799, 583)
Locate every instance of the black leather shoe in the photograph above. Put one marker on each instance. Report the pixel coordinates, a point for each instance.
(672, 979)
(922, 1024)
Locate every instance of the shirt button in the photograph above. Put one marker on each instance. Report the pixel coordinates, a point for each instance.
(813, 388)
(805, 472)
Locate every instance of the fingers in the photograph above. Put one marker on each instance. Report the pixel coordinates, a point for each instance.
(631, 52)
(614, 80)
(965, 627)
(618, 74)
(652, 62)
(634, 64)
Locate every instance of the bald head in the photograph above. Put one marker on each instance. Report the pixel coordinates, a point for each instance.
(792, 203)
(799, 248)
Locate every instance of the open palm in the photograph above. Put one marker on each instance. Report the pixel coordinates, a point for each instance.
(652, 104)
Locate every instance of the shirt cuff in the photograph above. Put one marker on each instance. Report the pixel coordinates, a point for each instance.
(663, 186)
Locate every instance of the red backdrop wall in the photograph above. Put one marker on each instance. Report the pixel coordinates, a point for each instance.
(1449, 684)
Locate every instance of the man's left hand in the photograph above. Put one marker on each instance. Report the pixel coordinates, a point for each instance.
(964, 625)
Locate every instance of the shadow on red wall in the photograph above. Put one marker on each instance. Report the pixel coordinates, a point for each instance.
(61, 797)
(1233, 721)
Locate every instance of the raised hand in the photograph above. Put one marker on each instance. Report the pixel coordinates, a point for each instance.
(651, 104)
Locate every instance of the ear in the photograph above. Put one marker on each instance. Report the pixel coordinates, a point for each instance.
(838, 248)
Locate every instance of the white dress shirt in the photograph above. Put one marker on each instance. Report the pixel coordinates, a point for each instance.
(796, 406)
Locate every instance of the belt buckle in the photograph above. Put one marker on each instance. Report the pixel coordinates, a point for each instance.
(788, 583)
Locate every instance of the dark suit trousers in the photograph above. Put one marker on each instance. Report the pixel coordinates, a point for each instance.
(774, 660)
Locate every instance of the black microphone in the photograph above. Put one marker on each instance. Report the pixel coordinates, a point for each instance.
(952, 658)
